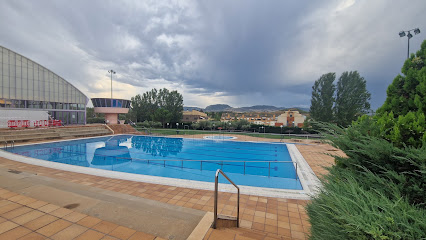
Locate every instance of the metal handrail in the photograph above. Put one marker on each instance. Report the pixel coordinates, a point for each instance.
(216, 189)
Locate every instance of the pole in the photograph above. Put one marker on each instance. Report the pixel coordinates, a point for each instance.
(408, 49)
(111, 84)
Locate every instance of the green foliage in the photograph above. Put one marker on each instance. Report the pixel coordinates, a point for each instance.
(401, 119)
(405, 167)
(162, 115)
(215, 116)
(351, 99)
(146, 106)
(407, 93)
(149, 124)
(323, 98)
(354, 206)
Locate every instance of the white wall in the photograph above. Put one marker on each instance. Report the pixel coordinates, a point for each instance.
(24, 114)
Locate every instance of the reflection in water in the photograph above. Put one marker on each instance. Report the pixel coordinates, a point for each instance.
(112, 153)
(158, 146)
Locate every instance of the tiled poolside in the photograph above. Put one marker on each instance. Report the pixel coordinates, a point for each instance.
(261, 217)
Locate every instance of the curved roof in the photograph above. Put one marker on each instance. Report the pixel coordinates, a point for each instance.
(28, 80)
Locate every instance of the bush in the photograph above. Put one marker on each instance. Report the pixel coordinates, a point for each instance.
(405, 167)
(95, 120)
(347, 208)
(149, 124)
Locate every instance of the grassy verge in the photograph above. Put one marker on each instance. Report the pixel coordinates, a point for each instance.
(162, 131)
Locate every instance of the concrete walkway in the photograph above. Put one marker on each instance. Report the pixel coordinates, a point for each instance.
(140, 214)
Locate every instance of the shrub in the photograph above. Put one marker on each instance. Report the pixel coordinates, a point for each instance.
(405, 167)
(347, 208)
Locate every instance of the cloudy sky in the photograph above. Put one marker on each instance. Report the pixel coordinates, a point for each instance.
(237, 52)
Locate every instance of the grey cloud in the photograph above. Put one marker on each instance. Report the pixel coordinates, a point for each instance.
(239, 49)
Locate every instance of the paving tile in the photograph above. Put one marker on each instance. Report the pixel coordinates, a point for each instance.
(48, 208)
(16, 212)
(9, 207)
(53, 227)
(89, 221)
(105, 227)
(74, 217)
(142, 236)
(122, 232)
(90, 235)
(70, 232)
(109, 238)
(15, 233)
(60, 212)
(32, 236)
(6, 226)
(37, 204)
(40, 222)
(27, 217)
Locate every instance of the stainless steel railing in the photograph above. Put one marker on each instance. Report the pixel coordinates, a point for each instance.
(216, 189)
(215, 161)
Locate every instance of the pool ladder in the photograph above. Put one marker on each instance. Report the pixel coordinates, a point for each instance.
(225, 221)
(6, 144)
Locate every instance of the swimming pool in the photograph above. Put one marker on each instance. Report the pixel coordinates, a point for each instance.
(246, 163)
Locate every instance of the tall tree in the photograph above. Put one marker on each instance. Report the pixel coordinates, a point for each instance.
(147, 105)
(323, 98)
(351, 99)
(402, 116)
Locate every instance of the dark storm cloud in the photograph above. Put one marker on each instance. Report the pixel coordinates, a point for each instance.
(235, 52)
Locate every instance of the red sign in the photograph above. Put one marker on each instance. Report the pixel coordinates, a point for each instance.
(39, 123)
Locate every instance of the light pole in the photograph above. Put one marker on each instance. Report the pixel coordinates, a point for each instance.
(177, 126)
(281, 129)
(167, 125)
(112, 72)
(409, 35)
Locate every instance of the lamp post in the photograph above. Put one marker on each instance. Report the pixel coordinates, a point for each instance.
(409, 35)
(167, 125)
(177, 126)
(112, 72)
(281, 129)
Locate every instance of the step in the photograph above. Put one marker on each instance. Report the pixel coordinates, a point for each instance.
(224, 221)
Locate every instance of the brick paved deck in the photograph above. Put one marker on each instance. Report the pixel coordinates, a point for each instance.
(23, 217)
(261, 217)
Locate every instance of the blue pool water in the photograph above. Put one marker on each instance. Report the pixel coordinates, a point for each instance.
(246, 163)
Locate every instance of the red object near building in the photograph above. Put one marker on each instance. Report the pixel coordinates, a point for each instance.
(18, 123)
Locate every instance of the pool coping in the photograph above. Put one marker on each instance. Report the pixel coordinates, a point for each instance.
(307, 177)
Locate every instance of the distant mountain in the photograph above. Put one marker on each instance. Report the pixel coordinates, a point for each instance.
(256, 108)
(192, 108)
(218, 108)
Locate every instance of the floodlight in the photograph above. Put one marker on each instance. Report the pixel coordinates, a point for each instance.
(416, 31)
(402, 34)
(409, 35)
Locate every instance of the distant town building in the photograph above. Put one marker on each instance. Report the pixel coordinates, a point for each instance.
(288, 118)
(194, 116)
(291, 118)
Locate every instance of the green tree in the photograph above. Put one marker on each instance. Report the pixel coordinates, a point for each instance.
(323, 98)
(351, 99)
(145, 107)
(162, 115)
(407, 93)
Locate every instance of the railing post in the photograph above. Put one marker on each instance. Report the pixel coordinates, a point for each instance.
(215, 199)
(164, 163)
(244, 168)
(269, 170)
(297, 176)
(201, 165)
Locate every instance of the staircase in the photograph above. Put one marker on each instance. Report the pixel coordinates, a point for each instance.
(123, 129)
(13, 135)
